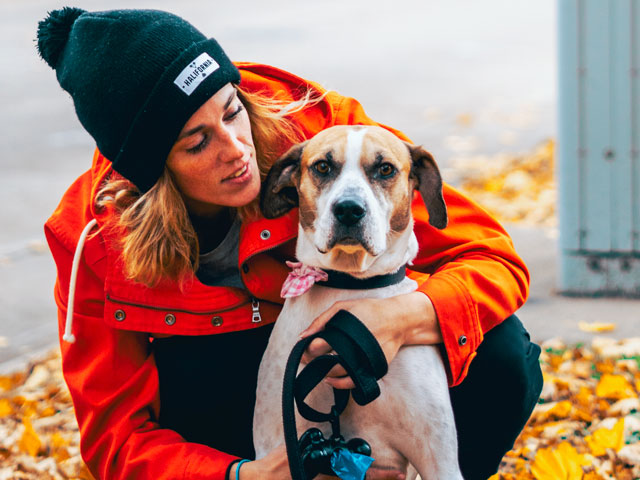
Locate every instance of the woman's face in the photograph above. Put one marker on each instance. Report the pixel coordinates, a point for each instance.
(213, 161)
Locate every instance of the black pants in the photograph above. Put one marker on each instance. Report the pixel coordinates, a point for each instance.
(495, 400)
(208, 384)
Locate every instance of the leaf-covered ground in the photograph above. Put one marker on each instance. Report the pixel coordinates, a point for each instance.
(515, 188)
(38, 431)
(587, 423)
(586, 426)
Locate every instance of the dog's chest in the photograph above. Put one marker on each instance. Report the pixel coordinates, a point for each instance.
(299, 312)
(296, 316)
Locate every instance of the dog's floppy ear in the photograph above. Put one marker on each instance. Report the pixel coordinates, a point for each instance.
(429, 183)
(279, 193)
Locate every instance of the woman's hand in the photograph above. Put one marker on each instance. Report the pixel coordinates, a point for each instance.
(407, 319)
(275, 465)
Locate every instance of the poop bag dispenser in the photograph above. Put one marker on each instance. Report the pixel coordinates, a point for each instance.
(350, 466)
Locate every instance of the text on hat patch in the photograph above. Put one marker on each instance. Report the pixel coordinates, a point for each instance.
(194, 73)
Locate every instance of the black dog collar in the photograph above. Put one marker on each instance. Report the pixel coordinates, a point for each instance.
(347, 282)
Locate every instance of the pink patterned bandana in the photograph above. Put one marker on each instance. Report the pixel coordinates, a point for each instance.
(301, 279)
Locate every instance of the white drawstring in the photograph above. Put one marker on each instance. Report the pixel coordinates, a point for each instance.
(68, 336)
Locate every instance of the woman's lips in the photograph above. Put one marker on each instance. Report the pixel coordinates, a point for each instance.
(240, 175)
(238, 172)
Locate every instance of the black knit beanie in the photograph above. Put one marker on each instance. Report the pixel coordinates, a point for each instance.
(136, 77)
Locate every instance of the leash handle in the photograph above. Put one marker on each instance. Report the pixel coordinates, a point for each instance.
(357, 351)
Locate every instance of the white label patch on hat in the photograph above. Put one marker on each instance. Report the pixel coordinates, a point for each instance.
(194, 73)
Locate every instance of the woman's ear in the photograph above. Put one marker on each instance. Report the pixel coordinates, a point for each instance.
(429, 183)
(279, 193)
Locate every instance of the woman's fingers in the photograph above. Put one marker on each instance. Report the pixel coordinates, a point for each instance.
(344, 383)
(317, 347)
(384, 474)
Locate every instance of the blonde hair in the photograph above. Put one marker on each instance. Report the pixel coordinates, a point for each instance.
(158, 240)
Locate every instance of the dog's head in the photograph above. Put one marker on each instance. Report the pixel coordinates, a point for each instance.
(354, 187)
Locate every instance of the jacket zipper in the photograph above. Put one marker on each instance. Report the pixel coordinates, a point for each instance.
(255, 303)
(255, 307)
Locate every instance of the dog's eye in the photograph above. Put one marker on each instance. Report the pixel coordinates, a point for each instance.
(386, 170)
(322, 167)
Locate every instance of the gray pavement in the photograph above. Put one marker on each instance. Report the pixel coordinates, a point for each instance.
(458, 76)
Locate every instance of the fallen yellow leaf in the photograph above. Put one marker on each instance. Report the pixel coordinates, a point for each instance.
(581, 415)
(30, 442)
(562, 463)
(559, 411)
(5, 383)
(606, 366)
(596, 327)
(493, 185)
(584, 397)
(48, 411)
(58, 446)
(58, 440)
(615, 387)
(592, 476)
(5, 407)
(605, 438)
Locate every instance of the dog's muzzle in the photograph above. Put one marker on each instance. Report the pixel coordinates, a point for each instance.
(349, 224)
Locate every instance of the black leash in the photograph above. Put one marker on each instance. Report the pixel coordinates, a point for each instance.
(361, 356)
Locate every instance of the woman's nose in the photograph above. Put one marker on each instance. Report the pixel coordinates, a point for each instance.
(231, 147)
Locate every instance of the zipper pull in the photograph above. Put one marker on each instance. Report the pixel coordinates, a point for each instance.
(255, 307)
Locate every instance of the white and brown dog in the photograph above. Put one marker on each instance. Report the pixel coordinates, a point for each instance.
(354, 186)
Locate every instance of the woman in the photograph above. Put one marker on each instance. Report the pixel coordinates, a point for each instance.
(168, 278)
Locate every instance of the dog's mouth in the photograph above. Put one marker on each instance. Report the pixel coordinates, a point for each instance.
(348, 241)
(348, 244)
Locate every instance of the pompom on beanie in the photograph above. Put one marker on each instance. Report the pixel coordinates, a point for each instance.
(135, 77)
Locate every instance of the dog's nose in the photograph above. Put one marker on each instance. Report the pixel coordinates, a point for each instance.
(349, 211)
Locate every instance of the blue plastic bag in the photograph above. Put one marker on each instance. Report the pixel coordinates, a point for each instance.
(350, 466)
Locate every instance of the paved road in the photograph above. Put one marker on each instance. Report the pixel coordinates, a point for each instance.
(458, 76)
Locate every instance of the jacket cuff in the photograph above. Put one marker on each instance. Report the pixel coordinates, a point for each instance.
(206, 463)
(458, 321)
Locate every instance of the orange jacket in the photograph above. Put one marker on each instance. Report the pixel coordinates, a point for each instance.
(469, 270)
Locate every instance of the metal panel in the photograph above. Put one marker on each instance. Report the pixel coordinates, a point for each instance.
(598, 275)
(568, 170)
(598, 146)
(596, 115)
(620, 155)
(635, 121)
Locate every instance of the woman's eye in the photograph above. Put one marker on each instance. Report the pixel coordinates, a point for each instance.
(322, 167)
(386, 169)
(235, 113)
(200, 146)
